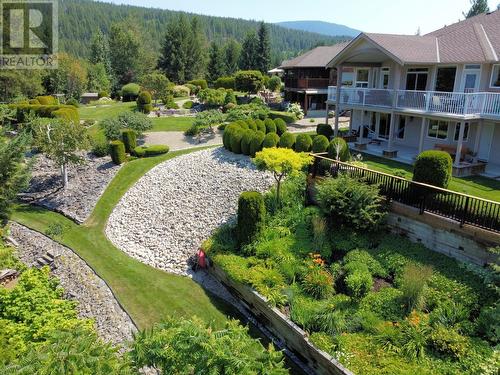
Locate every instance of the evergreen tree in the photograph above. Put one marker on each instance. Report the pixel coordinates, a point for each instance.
(216, 66)
(99, 51)
(263, 58)
(196, 60)
(248, 56)
(477, 7)
(174, 57)
(232, 52)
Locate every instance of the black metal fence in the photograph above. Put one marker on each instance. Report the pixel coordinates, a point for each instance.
(462, 208)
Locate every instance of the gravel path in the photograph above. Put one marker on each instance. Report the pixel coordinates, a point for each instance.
(165, 216)
(80, 283)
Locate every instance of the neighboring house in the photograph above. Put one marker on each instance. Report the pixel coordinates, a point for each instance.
(413, 93)
(88, 97)
(307, 77)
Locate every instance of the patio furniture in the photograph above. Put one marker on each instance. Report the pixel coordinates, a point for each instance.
(451, 149)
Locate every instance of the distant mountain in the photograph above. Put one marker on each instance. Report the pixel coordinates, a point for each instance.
(320, 27)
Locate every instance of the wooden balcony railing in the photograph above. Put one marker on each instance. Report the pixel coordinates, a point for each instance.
(478, 104)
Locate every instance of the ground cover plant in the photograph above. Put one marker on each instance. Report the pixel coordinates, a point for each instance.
(376, 301)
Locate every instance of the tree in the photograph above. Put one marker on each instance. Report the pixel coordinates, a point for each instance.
(477, 7)
(281, 162)
(196, 58)
(97, 78)
(18, 83)
(182, 346)
(215, 67)
(70, 78)
(14, 173)
(263, 59)
(248, 59)
(61, 140)
(99, 51)
(156, 83)
(232, 52)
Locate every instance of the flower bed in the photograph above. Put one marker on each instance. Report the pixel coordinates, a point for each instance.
(377, 302)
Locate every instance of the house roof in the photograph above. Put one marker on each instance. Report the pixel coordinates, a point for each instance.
(318, 57)
(474, 40)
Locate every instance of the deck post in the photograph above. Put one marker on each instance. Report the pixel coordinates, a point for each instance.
(477, 140)
(391, 131)
(350, 122)
(361, 127)
(337, 100)
(421, 139)
(458, 154)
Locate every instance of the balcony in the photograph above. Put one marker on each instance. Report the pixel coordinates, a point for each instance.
(453, 104)
(307, 83)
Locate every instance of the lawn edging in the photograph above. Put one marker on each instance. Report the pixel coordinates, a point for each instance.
(295, 339)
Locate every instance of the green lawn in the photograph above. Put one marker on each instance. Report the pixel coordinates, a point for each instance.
(171, 124)
(147, 294)
(99, 113)
(478, 186)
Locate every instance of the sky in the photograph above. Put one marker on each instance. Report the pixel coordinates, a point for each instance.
(379, 16)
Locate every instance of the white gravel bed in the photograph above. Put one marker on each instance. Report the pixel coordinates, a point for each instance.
(166, 215)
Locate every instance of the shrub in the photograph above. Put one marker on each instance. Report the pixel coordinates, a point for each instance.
(136, 121)
(386, 304)
(103, 94)
(332, 321)
(320, 144)
(225, 83)
(129, 139)
(251, 216)
(287, 140)
(318, 283)
(413, 283)
(251, 124)
(201, 83)
(73, 102)
(348, 201)
(100, 147)
(296, 110)
(339, 150)
(274, 83)
(270, 140)
(270, 126)
(261, 126)
(248, 81)
(449, 342)
(117, 151)
(188, 104)
(192, 88)
(212, 97)
(256, 143)
(359, 283)
(235, 141)
(47, 100)
(230, 98)
(144, 101)
(434, 168)
(130, 92)
(180, 91)
(324, 129)
(365, 258)
(246, 140)
(488, 322)
(68, 113)
(286, 116)
(280, 126)
(152, 150)
(303, 143)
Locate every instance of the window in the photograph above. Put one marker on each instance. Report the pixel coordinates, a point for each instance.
(495, 76)
(385, 78)
(437, 129)
(400, 133)
(362, 77)
(445, 80)
(457, 131)
(416, 79)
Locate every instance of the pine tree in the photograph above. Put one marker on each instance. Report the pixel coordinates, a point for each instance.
(248, 56)
(232, 52)
(99, 51)
(196, 59)
(477, 7)
(174, 57)
(216, 66)
(263, 49)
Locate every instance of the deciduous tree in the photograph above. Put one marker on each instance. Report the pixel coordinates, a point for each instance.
(156, 83)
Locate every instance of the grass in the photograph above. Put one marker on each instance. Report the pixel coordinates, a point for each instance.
(478, 186)
(99, 113)
(146, 293)
(171, 124)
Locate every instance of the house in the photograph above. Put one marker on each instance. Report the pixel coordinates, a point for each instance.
(88, 97)
(308, 76)
(409, 93)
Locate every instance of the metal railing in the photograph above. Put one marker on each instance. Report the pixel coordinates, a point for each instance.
(451, 103)
(463, 208)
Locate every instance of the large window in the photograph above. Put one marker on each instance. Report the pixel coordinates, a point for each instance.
(400, 133)
(362, 76)
(384, 80)
(437, 129)
(495, 77)
(416, 79)
(445, 80)
(457, 131)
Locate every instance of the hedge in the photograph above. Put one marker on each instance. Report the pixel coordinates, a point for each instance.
(251, 124)
(225, 83)
(117, 152)
(280, 126)
(270, 126)
(235, 141)
(344, 154)
(287, 140)
(129, 139)
(434, 168)
(285, 116)
(256, 143)
(188, 105)
(245, 141)
(320, 144)
(51, 111)
(153, 150)
(261, 126)
(270, 140)
(47, 100)
(144, 101)
(251, 216)
(130, 92)
(324, 129)
(201, 83)
(303, 143)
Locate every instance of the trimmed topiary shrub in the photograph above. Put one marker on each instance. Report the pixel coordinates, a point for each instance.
(303, 143)
(47, 100)
(248, 81)
(225, 83)
(320, 144)
(68, 113)
(129, 139)
(260, 125)
(270, 140)
(338, 148)
(286, 116)
(130, 92)
(201, 83)
(188, 104)
(287, 140)
(434, 168)
(153, 150)
(270, 126)
(235, 141)
(144, 101)
(251, 124)
(73, 102)
(251, 216)
(280, 126)
(117, 152)
(324, 129)
(256, 143)
(103, 94)
(245, 141)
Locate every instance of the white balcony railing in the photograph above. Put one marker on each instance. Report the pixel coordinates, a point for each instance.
(450, 103)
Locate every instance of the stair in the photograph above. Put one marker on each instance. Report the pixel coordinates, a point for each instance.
(46, 260)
